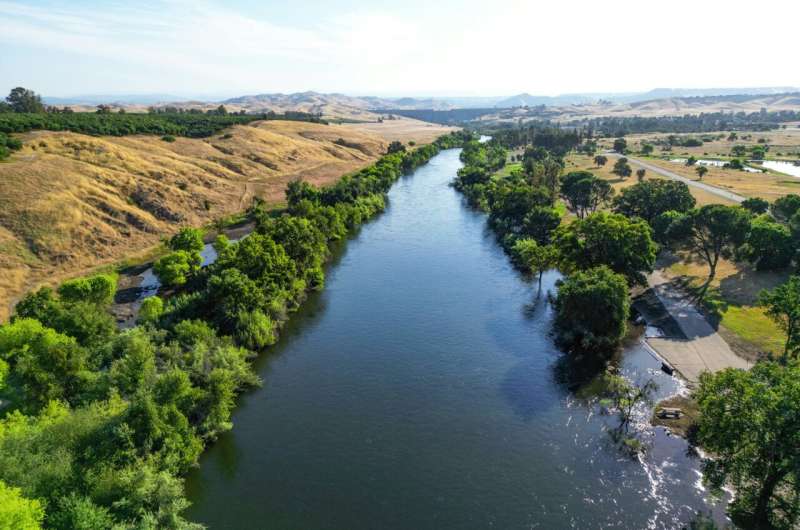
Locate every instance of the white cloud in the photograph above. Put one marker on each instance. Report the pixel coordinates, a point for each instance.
(498, 47)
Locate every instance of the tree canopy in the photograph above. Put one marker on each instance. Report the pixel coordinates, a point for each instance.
(650, 199)
(749, 422)
(584, 193)
(624, 245)
(592, 309)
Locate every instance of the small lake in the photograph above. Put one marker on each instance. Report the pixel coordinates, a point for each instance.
(787, 168)
(422, 390)
(713, 163)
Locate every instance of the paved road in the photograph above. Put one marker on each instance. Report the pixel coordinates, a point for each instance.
(669, 174)
(702, 349)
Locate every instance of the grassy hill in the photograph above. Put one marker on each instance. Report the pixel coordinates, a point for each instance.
(70, 202)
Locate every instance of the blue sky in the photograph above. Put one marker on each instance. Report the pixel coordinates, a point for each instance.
(414, 47)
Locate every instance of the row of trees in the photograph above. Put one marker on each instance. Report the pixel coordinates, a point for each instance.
(688, 123)
(750, 419)
(601, 252)
(24, 111)
(103, 423)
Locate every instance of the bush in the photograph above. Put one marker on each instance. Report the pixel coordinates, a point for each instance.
(174, 269)
(99, 289)
(255, 330)
(151, 310)
(168, 138)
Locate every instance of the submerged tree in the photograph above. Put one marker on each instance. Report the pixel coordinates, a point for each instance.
(535, 257)
(592, 309)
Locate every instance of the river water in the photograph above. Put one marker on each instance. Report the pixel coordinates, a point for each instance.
(421, 390)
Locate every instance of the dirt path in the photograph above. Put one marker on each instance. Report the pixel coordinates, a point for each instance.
(700, 348)
(689, 182)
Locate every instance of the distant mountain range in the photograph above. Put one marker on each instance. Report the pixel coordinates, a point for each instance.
(365, 107)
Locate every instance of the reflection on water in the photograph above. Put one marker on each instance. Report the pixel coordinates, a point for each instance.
(422, 390)
(714, 163)
(788, 168)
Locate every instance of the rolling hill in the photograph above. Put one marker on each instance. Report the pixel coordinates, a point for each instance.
(70, 202)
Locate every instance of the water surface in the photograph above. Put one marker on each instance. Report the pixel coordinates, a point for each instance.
(421, 390)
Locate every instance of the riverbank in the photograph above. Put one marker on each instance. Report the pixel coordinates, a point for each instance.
(692, 346)
(422, 387)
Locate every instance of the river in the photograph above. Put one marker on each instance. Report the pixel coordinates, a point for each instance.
(421, 390)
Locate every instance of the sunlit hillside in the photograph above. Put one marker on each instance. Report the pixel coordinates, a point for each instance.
(70, 202)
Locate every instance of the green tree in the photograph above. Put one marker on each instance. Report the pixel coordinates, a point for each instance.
(535, 257)
(671, 227)
(24, 100)
(624, 245)
(99, 289)
(716, 231)
(48, 364)
(758, 152)
(592, 309)
(640, 173)
(175, 269)
(396, 147)
(620, 145)
(650, 199)
(769, 245)
(692, 160)
(80, 513)
(749, 423)
(187, 239)
(738, 151)
(255, 330)
(539, 224)
(647, 149)
(151, 310)
(584, 193)
(17, 512)
(701, 171)
(600, 160)
(782, 305)
(756, 205)
(785, 207)
(622, 168)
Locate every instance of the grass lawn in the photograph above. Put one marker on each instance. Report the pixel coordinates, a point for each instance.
(508, 168)
(730, 300)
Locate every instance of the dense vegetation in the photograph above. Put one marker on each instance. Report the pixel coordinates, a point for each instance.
(8, 144)
(111, 124)
(24, 111)
(99, 425)
(600, 252)
(749, 419)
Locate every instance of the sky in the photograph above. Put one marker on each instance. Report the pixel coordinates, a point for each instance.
(392, 48)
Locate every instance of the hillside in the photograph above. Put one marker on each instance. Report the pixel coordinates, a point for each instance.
(328, 105)
(69, 202)
(672, 106)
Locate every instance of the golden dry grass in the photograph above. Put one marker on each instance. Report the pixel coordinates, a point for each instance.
(768, 185)
(70, 202)
(577, 162)
(403, 129)
(731, 299)
(783, 143)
